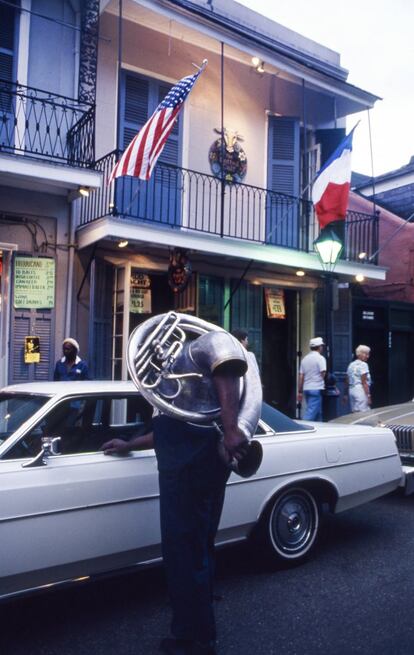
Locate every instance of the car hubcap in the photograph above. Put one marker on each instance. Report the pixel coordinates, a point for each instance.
(294, 523)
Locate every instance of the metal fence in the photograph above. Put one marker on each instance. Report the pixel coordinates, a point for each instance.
(46, 125)
(189, 200)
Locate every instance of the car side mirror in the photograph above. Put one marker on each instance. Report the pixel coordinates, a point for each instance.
(49, 447)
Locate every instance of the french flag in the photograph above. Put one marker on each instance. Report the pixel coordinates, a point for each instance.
(330, 189)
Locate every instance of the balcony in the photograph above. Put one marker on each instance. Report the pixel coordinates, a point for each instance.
(190, 201)
(47, 141)
(45, 125)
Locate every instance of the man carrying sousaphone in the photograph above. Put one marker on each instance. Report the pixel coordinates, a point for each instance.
(193, 463)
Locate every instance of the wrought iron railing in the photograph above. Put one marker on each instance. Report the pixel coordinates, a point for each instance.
(46, 125)
(180, 198)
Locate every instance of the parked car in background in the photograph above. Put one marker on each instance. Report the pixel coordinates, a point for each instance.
(398, 418)
(68, 511)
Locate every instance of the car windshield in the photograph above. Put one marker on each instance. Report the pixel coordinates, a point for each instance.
(280, 422)
(15, 410)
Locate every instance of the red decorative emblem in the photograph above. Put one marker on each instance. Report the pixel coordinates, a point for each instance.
(179, 270)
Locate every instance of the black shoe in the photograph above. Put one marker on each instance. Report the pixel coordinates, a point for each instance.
(173, 646)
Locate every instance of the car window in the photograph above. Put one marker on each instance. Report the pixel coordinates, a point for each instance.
(16, 409)
(84, 424)
(280, 422)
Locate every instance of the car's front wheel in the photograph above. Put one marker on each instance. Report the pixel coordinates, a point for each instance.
(291, 525)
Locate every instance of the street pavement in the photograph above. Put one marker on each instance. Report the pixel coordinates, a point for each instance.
(354, 596)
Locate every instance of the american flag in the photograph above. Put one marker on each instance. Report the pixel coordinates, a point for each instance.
(142, 153)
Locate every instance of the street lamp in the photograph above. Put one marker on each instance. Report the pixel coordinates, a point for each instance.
(328, 247)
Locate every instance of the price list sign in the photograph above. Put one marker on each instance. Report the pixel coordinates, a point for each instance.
(34, 283)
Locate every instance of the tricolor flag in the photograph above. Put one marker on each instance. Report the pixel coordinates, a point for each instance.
(330, 189)
(142, 153)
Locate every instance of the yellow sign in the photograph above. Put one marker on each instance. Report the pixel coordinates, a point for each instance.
(31, 350)
(140, 301)
(275, 303)
(34, 283)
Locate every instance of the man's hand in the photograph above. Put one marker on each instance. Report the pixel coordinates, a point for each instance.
(116, 447)
(233, 446)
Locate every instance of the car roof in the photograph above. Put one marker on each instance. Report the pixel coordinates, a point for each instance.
(76, 387)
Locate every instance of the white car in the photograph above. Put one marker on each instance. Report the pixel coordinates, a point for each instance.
(68, 511)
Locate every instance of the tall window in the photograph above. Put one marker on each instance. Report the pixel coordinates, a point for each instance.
(283, 210)
(159, 198)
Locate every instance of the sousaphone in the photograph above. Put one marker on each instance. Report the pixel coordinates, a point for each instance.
(172, 359)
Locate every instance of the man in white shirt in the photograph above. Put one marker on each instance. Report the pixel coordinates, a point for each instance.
(312, 380)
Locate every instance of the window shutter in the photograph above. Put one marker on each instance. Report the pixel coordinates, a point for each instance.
(158, 199)
(26, 323)
(135, 107)
(7, 51)
(283, 178)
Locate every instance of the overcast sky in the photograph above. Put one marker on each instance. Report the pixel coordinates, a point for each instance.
(375, 39)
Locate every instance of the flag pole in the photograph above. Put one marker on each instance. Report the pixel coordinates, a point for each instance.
(222, 141)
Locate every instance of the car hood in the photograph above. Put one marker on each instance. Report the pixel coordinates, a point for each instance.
(402, 414)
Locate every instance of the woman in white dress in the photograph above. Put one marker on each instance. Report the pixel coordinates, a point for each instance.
(358, 381)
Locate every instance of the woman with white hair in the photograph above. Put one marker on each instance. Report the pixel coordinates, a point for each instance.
(358, 381)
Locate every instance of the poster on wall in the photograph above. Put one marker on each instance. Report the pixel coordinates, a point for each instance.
(140, 295)
(31, 350)
(34, 283)
(275, 303)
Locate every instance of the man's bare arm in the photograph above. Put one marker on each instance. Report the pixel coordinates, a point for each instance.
(122, 447)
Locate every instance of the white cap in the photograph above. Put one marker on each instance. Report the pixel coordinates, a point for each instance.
(73, 342)
(315, 342)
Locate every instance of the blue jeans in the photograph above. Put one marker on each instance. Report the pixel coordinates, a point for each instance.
(313, 411)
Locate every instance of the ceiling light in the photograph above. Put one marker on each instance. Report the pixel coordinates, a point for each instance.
(122, 244)
(256, 61)
(84, 191)
(359, 277)
(300, 273)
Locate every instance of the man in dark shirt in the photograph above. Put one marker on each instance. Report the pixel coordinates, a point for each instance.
(70, 366)
(192, 479)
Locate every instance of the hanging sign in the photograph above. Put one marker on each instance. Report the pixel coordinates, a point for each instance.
(275, 303)
(140, 301)
(34, 283)
(140, 293)
(31, 350)
(227, 158)
(140, 280)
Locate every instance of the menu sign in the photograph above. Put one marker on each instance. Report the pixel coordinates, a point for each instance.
(34, 283)
(275, 303)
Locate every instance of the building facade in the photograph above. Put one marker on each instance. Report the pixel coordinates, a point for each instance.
(229, 200)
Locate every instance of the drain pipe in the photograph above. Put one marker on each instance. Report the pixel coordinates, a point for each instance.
(71, 264)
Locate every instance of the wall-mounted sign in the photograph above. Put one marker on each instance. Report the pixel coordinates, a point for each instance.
(140, 301)
(275, 303)
(34, 283)
(228, 160)
(140, 280)
(31, 350)
(179, 270)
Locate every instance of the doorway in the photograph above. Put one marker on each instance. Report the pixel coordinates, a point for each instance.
(279, 357)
